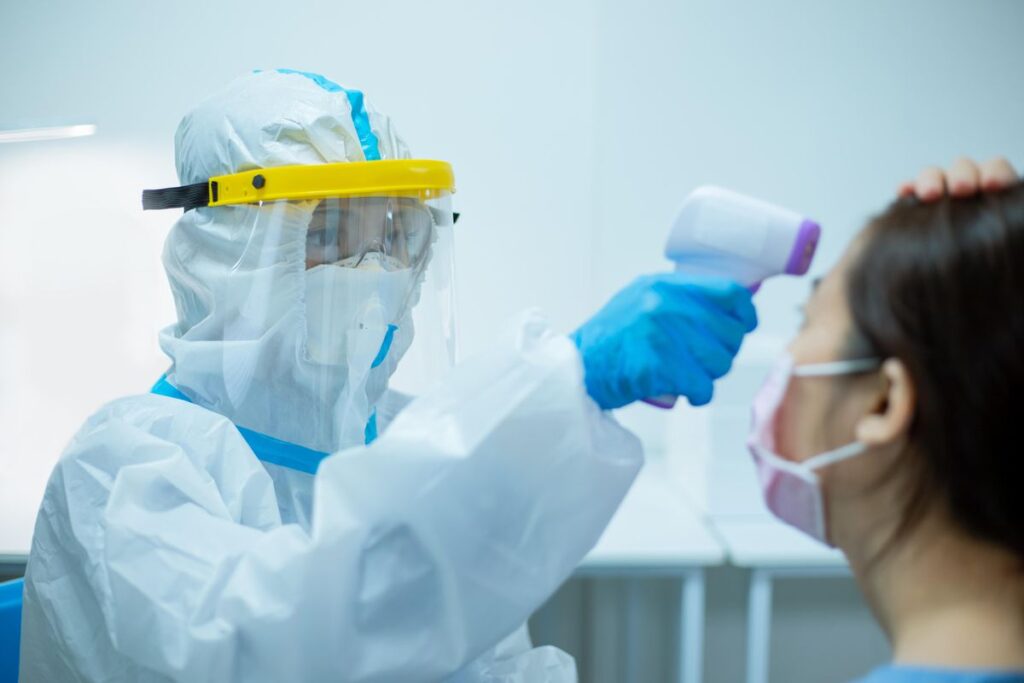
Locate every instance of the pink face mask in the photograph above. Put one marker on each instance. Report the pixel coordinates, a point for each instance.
(792, 490)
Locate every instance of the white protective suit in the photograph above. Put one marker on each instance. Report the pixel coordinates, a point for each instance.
(166, 549)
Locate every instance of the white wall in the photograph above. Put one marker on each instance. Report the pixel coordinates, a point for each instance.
(575, 129)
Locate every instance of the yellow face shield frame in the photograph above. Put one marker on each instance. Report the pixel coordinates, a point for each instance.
(421, 178)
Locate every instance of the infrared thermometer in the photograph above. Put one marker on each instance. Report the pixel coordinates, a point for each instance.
(723, 233)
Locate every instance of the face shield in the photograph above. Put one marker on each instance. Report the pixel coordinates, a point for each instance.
(312, 283)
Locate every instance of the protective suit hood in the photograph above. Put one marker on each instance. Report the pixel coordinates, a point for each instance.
(238, 273)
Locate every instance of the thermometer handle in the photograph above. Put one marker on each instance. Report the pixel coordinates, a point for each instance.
(667, 402)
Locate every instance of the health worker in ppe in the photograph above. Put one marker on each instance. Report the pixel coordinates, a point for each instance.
(271, 511)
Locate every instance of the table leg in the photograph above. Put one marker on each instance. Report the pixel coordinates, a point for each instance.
(759, 624)
(691, 627)
(633, 625)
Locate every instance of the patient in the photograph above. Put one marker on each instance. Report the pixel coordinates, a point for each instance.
(893, 427)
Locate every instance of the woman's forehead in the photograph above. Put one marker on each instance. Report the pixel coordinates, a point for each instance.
(833, 284)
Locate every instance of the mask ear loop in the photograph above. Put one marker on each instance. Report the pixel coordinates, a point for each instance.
(839, 367)
(831, 457)
(836, 368)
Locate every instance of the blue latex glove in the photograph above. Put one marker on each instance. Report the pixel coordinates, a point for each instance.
(667, 334)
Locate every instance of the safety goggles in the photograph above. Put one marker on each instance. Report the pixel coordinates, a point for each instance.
(344, 231)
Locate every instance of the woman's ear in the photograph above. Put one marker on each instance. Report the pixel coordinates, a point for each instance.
(893, 409)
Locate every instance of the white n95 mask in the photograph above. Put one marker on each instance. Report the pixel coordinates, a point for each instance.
(792, 490)
(350, 309)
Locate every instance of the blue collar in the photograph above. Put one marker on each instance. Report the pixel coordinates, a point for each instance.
(267, 448)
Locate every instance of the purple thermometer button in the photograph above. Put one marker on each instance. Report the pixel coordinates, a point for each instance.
(804, 247)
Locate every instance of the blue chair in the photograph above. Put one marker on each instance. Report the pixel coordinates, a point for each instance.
(10, 629)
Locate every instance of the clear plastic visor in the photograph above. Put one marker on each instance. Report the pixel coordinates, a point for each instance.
(296, 317)
(380, 288)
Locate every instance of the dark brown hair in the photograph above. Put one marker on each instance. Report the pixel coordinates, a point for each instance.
(940, 286)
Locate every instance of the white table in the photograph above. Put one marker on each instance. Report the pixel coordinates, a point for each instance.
(771, 550)
(656, 533)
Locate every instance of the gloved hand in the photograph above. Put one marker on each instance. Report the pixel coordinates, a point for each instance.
(666, 334)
